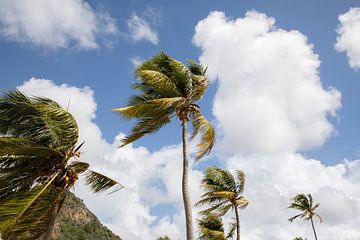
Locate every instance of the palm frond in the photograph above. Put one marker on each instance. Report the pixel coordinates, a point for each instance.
(231, 230)
(160, 82)
(99, 182)
(319, 217)
(220, 177)
(294, 217)
(151, 108)
(78, 166)
(242, 202)
(221, 211)
(211, 227)
(240, 180)
(27, 213)
(22, 163)
(207, 139)
(41, 120)
(200, 85)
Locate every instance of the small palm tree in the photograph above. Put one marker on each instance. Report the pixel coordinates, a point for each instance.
(163, 238)
(224, 192)
(304, 203)
(38, 166)
(168, 89)
(211, 228)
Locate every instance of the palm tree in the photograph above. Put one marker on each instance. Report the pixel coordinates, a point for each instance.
(168, 89)
(223, 192)
(38, 166)
(304, 203)
(299, 238)
(211, 228)
(163, 238)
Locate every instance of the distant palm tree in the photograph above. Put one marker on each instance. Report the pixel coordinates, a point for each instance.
(38, 145)
(163, 238)
(224, 192)
(168, 89)
(299, 238)
(211, 228)
(304, 203)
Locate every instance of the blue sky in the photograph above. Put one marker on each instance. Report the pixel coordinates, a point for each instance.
(79, 51)
(108, 70)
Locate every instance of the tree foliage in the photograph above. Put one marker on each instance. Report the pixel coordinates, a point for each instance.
(38, 152)
(168, 88)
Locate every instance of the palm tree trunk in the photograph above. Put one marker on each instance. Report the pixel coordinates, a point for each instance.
(185, 186)
(50, 228)
(312, 224)
(237, 223)
(54, 213)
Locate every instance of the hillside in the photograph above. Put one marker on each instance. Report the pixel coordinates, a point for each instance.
(76, 222)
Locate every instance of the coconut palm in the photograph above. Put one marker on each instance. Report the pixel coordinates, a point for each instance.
(168, 89)
(163, 238)
(304, 203)
(38, 164)
(223, 192)
(211, 228)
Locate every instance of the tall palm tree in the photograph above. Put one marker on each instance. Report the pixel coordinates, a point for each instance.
(168, 89)
(38, 164)
(223, 192)
(211, 227)
(304, 203)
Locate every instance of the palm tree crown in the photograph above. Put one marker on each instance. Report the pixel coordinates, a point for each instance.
(304, 203)
(223, 192)
(168, 88)
(211, 228)
(38, 145)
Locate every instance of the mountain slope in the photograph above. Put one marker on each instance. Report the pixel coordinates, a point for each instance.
(76, 222)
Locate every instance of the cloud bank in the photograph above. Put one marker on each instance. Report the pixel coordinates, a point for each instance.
(348, 36)
(54, 24)
(269, 105)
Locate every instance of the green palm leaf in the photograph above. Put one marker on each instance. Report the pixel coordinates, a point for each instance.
(161, 83)
(207, 139)
(27, 213)
(99, 182)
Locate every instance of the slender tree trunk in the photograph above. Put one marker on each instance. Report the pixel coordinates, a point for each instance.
(237, 223)
(185, 186)
(312, 224)
(54, 213)
(50, 228)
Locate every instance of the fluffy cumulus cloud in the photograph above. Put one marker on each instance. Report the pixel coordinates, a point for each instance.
(54, 24)
(151, 179)
(270, 104)
(141, 26)
(279, 99)
(348, 36)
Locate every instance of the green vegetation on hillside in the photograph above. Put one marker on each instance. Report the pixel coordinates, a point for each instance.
(76, 222)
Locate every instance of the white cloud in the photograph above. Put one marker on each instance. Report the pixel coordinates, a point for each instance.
(152, 179)
(348, 36)
(136, 61)
(141, 27)
(270, 79)
(269, 105)
(54, 24)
